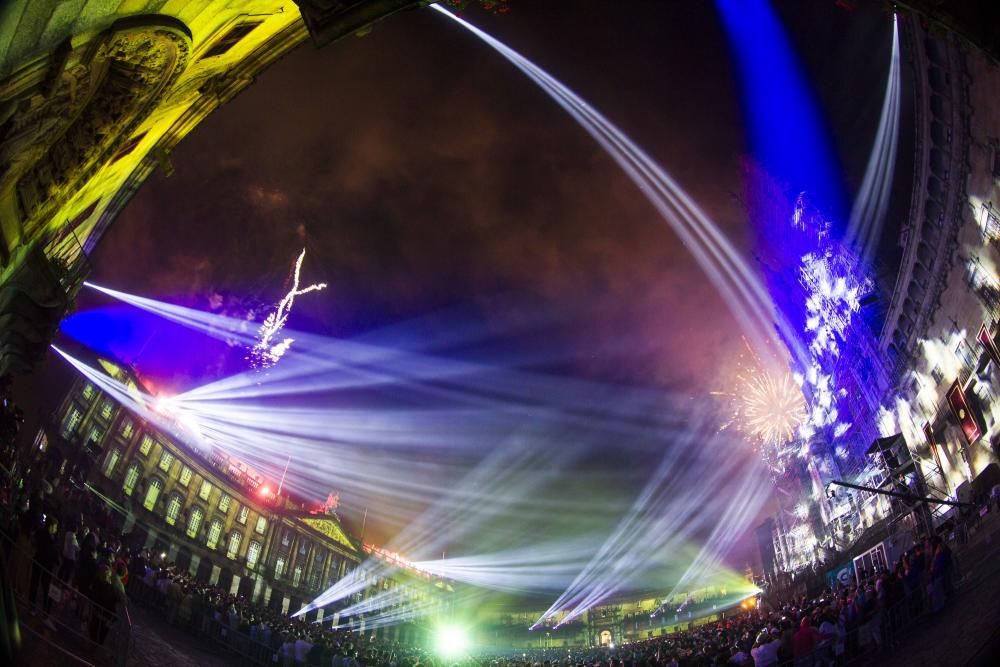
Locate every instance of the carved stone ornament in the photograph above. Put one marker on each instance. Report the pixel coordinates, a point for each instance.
(53, 144)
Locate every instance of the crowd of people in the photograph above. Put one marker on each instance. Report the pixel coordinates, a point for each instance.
(61, 541)
(65, 555)
(259, 634)
(863, 619)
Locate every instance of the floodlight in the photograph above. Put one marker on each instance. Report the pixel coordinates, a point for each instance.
(452, 641)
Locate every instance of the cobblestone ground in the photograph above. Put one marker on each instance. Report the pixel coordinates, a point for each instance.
(155, 643)
(63, 640)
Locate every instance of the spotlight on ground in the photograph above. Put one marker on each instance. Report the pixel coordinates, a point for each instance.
(452, 641)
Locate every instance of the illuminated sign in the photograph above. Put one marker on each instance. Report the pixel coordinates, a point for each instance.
(960, 408)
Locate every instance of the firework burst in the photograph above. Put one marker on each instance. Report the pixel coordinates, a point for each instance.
(767, 405)
(772, 408)
(269, 349)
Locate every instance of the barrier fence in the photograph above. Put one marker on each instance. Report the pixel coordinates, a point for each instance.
(55, 616)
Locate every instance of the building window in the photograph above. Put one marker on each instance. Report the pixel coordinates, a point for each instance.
(253, 553)
(41, 441)
(297, 575)
(286, 537)
(984, 392)
(964, 352)
(233, 550)
(146, 445)
(152, 493)
(111, 462)
(131, 477)
(128, 428)
(205, 491)
(194, 522)
(166, 460)
(186, 475)
(244, 513)
(303, 547)
(107, 409)
(96, 435)
(88, 392)
(937, 375)
(231, 39)
(261, 525)
(174, 509)
(989, 223)
(316, 572)
(72, 422)
(224, 502)
(279, 567)
(214, 532)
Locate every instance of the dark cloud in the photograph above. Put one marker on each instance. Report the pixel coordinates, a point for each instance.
(421, 171)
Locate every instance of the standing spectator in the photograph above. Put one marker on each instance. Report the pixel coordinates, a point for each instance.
(804, 642)
(106, 599)
(830, 633)
(70, 551)
(302, 647)
(940, 573)
(19, 566)
(765, 650)
(46, 560)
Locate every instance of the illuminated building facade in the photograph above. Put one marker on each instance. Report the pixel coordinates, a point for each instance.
(928, 370)
(221, 520)
(940, 332)
(209, 516)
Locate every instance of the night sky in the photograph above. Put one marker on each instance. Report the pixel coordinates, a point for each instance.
(436, 189)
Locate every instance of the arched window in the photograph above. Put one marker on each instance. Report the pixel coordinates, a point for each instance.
(194, 521)
(111, 462)
(253, 553)
(152, 493)
(214, 532)
(71, 423)
(235, 538)
(316, 569)
(131, 477)
(173, 509)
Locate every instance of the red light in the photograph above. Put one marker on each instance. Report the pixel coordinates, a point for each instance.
(265, 490)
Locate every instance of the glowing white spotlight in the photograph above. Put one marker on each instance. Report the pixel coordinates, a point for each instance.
(737, 283)
(452, 641)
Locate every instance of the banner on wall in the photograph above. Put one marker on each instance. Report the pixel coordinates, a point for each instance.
(989, 343)
(960, 408)
(843, 575)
